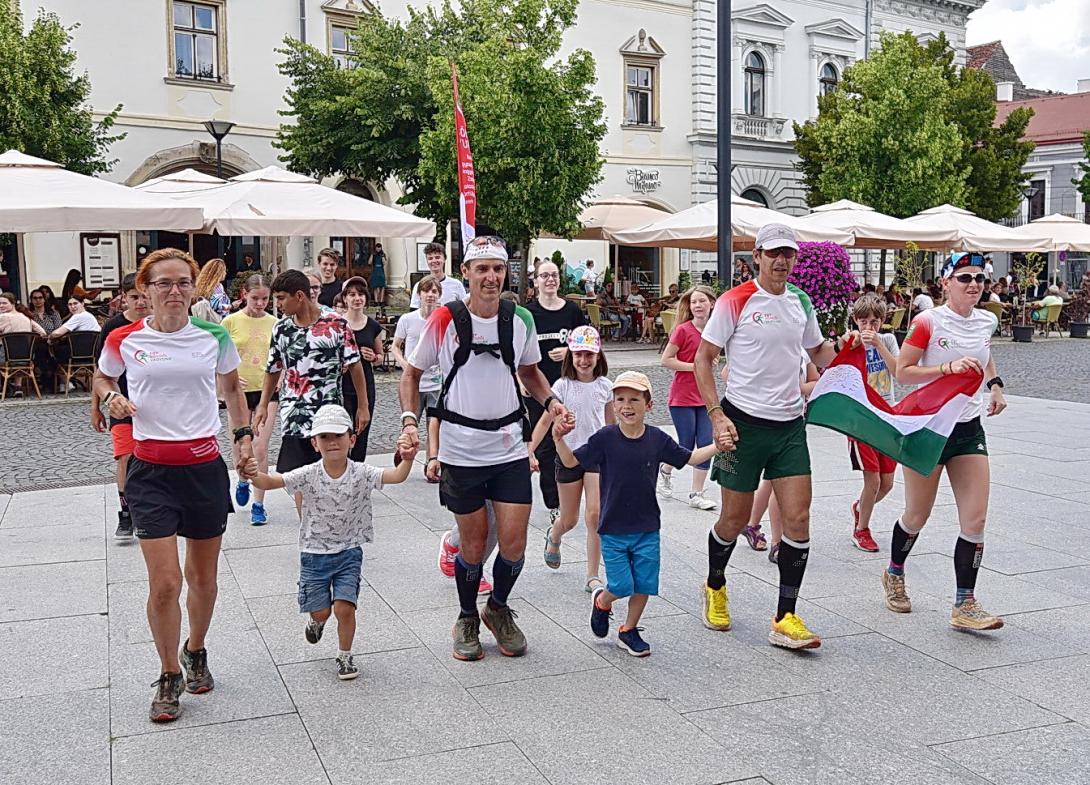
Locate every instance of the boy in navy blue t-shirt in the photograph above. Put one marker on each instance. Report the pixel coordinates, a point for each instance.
(627, 455)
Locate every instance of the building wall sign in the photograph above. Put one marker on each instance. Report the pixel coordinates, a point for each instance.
(643, 181)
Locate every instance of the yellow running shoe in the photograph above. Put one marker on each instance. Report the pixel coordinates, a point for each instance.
(716, 609)
(791, 632)
(970, 616)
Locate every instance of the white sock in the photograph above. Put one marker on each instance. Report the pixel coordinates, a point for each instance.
(341, 653)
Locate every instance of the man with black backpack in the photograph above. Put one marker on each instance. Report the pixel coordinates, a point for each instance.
(484, 347)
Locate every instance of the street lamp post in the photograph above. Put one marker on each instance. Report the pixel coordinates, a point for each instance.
(219, 129)
(723, 128)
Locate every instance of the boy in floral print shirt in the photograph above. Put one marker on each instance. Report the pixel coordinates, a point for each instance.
(311, 350)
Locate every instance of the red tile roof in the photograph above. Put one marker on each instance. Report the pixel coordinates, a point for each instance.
(977, 56)
(1056, 120)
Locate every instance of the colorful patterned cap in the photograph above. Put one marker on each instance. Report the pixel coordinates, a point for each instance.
(331, 418)
(485, 247)
(584, 339)
(959, 260)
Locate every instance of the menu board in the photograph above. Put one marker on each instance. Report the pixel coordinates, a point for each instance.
(101, 254)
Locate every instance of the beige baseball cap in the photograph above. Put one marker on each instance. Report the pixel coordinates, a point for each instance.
(633, 380)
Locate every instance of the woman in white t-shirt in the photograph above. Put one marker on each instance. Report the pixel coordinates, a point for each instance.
(954, 338)
(79, 320)
(407, 335)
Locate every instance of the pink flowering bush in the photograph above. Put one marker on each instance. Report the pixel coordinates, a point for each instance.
(824, 271)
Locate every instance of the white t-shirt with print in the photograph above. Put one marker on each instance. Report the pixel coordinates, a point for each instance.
(945, 337)
(410, 328)
(82, 322)
(764, 335)
(879, 376)
(336, 512)
(587, 401)
(483, 388)
(452, 290)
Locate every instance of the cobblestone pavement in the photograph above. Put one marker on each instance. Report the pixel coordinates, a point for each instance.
(51, 443)
(888, 698)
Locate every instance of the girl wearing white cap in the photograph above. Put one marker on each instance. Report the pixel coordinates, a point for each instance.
(585, 390)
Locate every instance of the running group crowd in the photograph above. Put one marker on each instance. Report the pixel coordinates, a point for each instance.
(495, 392)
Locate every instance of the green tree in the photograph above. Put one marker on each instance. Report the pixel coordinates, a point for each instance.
(1083, 183)
(534, 123)
(44, 110)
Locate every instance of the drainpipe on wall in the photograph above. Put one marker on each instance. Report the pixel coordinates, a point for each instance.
(303, 20)
(868, 21)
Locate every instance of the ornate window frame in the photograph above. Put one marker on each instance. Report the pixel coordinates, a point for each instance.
(642, 51)
(222, 78)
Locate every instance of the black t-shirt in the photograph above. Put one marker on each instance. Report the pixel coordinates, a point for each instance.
(364, 337)
(329, 291)
(552, 331)
(111, 324)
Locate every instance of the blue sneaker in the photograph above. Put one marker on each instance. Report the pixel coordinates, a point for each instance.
(242, 493)
(630, 641)
(257, 515)
(599, 619)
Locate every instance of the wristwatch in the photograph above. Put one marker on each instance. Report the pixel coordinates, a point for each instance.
(110, 396)
(994, 382)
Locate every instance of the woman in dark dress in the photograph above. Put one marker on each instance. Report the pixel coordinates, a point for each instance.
(369, 337)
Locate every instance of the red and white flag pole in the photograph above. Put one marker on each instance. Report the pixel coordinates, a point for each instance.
(467, 181)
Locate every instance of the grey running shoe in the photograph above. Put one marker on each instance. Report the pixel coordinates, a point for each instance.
(501, 623)
(896, 598)
(124, 526)
(970, 616)
(346, 668)
(467, 638)
(165, 706)
(314, 630)
(198, 679)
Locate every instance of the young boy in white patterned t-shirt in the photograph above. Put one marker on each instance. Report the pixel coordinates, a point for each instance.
(336, 522)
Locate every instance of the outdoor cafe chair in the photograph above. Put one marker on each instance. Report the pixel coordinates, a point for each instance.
(81, 359)
(594, 311)
(1051, 320)
(669, 318)
(896, 318)
(1000, 313)
(18, 361)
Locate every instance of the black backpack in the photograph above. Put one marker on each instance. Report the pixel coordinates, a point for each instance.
(504, 350)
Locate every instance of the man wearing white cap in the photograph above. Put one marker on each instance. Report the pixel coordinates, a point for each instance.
(765, 325)
(484, 346)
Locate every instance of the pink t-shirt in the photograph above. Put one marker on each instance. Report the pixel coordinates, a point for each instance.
(683, 390)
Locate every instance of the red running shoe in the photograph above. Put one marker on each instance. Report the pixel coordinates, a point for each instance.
(864, 541)
(447, 554)
(485, 587)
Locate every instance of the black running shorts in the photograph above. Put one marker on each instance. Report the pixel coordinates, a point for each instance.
(464, 489)
(192, 500)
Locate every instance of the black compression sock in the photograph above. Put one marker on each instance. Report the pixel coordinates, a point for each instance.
(504, 575)
(967, 558)
(900, 546)
(792, 564)
(124, 502)
(718, 557)
(467, 577)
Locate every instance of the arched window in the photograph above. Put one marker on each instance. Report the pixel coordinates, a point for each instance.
(830, 78)
(754, 196)
(755, 85)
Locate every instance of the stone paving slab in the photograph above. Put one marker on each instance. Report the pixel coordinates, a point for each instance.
(1055, 755)
(491, 764)
(42, 591)
(32, 665)
(56, 739)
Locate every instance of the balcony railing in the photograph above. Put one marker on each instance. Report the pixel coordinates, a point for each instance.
(758, 127)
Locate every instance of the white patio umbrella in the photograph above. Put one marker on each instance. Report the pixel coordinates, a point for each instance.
(185, 181)
(975, 234)
(697, 228)
(603, 217)
(872, 229)
(273, 202)
(41, 196)
(1064, 233)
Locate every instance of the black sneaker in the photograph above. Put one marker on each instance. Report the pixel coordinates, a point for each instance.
(124, 525)
(501, 623)
(165, 706)
(346, 668)
(198, 679)
(599, 619)
(314, 630)
(630, 641)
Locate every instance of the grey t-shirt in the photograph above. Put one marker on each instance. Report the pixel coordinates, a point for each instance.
(336, 512)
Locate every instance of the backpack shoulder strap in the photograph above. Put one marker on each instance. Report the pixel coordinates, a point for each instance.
(506, 330)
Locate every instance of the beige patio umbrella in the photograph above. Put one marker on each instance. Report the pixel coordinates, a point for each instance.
(1064, 233)
(973, 233)
(872, 229)
(697, 228)
(603, 217)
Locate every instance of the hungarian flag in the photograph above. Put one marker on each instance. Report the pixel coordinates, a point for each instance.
(913, 432)
(467, 181)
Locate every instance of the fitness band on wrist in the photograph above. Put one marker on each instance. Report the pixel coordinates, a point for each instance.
(110, 396)
(995, 381)
(242, 432)
(713, 408)
(411, 416)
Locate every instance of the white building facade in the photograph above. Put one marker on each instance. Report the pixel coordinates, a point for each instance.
(174, 64)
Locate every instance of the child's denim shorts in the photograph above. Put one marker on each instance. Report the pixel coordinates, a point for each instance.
(632, 563)
(326, 577)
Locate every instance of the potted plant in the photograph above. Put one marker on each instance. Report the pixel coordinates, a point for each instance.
(824, 272)
(908, 269)
(1078, 310)
(1027, 269)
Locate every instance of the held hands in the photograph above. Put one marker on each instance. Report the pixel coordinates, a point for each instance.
(405, 448)
(724, 432)
(562, 426)
(247, 468)
(409, 430)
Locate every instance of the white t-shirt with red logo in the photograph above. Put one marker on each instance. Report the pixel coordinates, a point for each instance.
(171, 377)
(945, 337)
(482, 389)
(764, 335)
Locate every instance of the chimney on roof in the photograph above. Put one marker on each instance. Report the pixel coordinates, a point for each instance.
(1083, 86)
(1004, 91)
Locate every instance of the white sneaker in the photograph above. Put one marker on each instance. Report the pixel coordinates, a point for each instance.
(666, 484)
(697, 501)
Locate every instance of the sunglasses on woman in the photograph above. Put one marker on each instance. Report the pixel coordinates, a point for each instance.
(968, 278)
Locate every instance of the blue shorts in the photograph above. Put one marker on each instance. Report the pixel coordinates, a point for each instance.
(326, 577)
(632, 563)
